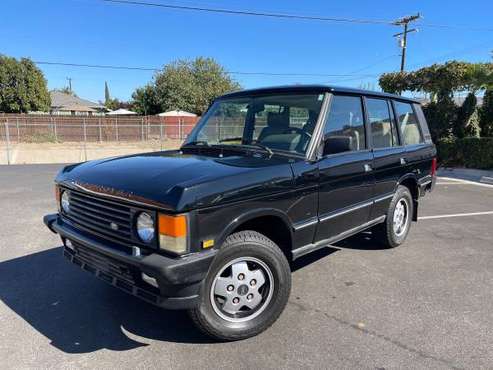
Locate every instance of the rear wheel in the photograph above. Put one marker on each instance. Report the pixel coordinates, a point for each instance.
(394, 230)
(246, 289)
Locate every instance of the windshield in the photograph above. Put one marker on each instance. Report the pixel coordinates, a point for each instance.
(271, 122)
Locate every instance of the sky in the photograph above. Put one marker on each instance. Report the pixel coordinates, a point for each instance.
(97, 32)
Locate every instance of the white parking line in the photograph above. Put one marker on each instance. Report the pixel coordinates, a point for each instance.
(459, 182)
(456, 215)
(450, 183)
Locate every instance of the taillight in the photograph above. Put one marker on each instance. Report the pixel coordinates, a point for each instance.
(434, 167)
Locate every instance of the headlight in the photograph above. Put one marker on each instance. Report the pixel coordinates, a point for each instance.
(65, 201)
(173, 233)
(145, 227)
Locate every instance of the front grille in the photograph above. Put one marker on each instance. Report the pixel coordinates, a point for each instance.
(106, 218)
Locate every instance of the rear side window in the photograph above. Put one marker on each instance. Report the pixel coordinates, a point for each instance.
(408, 123)
(344, 129)
(383, 131)
(422, 120)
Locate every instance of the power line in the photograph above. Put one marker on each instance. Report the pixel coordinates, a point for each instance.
(291, 15)
(153, 69)
(379, 61)
(252, 13)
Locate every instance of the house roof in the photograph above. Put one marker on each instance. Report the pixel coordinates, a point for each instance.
(121, 112)
(177, 113)
(62, 101)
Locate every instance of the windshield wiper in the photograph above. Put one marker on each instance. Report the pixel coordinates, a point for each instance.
(262, 146)
(197, 143)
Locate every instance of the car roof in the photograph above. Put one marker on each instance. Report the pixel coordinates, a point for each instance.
(316, 89)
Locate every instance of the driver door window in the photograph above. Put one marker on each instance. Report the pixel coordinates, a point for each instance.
(344, 129)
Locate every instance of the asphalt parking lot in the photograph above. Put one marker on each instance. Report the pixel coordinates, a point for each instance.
(426, 304)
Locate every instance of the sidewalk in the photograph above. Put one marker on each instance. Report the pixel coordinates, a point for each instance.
(42, 153)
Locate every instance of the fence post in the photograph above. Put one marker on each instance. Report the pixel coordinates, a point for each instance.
(161, 134)
(148, 133)
(18, 130)
(142, 128)
(116, 124)
(7, 137)
(100, 137)
(54, 129)
(179, 129)
(85, 139)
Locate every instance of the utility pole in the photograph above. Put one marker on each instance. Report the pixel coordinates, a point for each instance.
(69, 79)
(404, 21)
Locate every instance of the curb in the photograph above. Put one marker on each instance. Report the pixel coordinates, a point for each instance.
(486, 180)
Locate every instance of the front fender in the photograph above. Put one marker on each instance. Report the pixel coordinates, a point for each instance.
(250, 215)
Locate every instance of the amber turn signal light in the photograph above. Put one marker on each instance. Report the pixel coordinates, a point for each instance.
(172, 233)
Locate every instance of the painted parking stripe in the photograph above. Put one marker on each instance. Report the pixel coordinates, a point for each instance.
(450, 183)
(456, 215)
(463, 182)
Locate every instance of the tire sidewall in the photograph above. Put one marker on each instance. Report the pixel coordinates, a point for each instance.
(279, 267)
(402, 192)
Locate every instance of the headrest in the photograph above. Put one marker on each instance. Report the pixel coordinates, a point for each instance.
(277, 120)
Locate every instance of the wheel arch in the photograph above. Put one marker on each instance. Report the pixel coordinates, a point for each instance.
(272, 223)
(410, 181)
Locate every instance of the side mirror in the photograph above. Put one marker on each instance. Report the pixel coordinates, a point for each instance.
(337, 144)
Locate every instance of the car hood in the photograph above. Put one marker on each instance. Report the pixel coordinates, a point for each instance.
(179, 182)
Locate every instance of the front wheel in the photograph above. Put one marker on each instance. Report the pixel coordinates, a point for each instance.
(246, 289)
(394, 230)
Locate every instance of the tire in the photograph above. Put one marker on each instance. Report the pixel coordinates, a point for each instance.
(215, 315)
(386, 233)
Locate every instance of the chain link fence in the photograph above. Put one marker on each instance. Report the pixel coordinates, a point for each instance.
(17, 129)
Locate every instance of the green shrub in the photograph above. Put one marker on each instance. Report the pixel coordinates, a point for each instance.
(468, 152)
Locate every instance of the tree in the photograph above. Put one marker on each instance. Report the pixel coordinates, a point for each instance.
(486, 114)
(66, 90)
(440, 78)
(189, 85)
(144, 100)
(464, 114)
(107, 96)
(115, 104)
(440, 115)
(22, 86)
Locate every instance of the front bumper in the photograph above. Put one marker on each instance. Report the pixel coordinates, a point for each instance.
(178, 279)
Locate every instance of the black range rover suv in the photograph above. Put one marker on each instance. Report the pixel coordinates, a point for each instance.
(266, 176)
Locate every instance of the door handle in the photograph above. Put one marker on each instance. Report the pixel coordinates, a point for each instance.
(403, 161)
(368, 168)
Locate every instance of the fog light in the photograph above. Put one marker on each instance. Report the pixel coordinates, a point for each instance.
(149, 280)
(69, 244)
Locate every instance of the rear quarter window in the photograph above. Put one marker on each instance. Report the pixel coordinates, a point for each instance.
(423, 124)
(408, 123)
